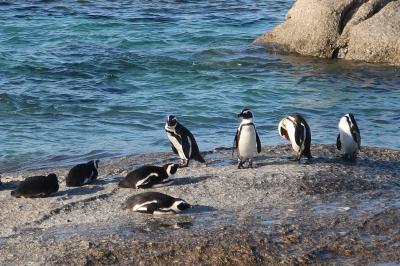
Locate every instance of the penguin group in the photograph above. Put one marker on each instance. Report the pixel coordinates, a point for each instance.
(293, 128)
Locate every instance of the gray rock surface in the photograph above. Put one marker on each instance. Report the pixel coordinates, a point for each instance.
(365, 30)
(281, 212)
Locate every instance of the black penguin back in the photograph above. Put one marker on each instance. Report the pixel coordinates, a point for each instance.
(132, 178)
(82, 174)
(163, 200)
(37, 186)
(307, 138)
(184, 132)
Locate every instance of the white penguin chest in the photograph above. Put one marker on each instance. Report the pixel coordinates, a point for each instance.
(346, 139)
(177, 146)
(247, 146)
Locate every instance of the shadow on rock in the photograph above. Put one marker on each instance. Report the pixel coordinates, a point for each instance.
(189, 180)
(108, 180)
(200, 209)
(77, 191)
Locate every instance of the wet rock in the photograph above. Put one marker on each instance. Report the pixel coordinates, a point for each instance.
(366, 30)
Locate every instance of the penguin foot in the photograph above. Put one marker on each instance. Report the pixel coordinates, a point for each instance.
(294, 159)
(184, 163)
(250, 164)
(349, 157)
(240, 165)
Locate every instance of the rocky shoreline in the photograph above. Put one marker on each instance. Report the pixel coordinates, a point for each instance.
(361, 30)
(322, 211)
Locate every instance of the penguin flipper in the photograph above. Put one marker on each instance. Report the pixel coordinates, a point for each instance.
(235, 141)
(356, 136)
(338, 143)
(258, 142)
(299, 134)
(186, 143)
(174, 150)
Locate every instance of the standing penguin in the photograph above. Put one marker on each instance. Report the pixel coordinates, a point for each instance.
(182, 142)
(295, 129)
(155, 203)
(37, 187)
(349, 138)
(82, 174)
(148, 176)
(246, 141)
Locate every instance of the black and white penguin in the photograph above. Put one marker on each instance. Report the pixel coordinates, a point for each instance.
(295, 129)
(247, 142)
(182, 141)
(82, 174)
(36, 187)
(155, 203)
(349, 138)
(148, 176)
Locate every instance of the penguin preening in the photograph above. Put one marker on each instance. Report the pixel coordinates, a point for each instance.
(182, 142)
(155, 203)
(247, 142)
(82, 174)
(148, 176)
(349, 138)
(295, 129)
(36, 187)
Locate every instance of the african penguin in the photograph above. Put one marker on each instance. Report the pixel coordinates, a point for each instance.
(148, 176)
(349, 138)
(295, 129)
(82, 174)
(155, 203)
(247, 141)
(182, 142)
(36, 187)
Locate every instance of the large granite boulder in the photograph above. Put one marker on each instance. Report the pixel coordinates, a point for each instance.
(367, 30)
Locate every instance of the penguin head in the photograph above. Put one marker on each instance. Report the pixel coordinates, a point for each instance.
(171, 121)
(351, 121)
(171, 168)
(95, 163)
(180, 205)
(246, 114)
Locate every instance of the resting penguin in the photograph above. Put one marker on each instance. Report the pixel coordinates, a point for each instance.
(296, 130)
(349, 138)
(182, 142)
(36, 187)
(82, 174)
(247, 141)
(155, 203)
(148, 176)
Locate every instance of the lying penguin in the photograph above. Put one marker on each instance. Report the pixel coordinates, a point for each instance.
(349, 138)
(295, 129)
(82, 174)
(155, 203)
(37, 187)
(148, 176)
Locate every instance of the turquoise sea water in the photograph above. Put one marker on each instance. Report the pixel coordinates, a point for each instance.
(96, 79)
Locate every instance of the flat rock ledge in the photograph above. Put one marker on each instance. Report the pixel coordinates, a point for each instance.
(363, 30)
(323, 211)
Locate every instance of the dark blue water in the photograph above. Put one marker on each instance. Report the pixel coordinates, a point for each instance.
(85, 79)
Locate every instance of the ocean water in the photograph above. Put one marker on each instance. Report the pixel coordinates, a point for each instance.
(96, 79)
